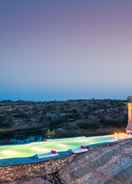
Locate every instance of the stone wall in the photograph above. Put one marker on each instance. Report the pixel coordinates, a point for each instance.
(44, 169)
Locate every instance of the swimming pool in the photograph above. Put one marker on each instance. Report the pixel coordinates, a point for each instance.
(28, 150)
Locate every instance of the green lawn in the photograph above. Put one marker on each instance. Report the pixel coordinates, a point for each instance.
(25, 150)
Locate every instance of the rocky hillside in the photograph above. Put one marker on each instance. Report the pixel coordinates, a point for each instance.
(62, 119)
(101, 165)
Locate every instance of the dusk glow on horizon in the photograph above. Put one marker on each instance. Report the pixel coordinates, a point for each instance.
(65, 49)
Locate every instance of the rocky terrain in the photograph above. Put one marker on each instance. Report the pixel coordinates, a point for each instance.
(21, 119)
(111, 164)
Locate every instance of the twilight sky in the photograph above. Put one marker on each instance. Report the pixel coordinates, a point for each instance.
(65, 49)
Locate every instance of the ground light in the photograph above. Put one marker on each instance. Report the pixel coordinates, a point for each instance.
(120, 135)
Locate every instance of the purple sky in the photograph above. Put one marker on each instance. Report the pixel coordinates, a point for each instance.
(65, 49)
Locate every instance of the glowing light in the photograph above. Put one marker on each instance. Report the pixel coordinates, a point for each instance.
(39, 150)
(120, 135)
(8, 152)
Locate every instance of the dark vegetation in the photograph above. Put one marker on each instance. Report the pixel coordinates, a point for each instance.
(21, 119)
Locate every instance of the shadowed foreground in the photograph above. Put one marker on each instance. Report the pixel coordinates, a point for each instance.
(101, 165)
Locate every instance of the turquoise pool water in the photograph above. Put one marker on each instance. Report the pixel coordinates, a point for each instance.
(27, 150)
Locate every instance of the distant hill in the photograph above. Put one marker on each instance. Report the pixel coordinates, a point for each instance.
(63, 118)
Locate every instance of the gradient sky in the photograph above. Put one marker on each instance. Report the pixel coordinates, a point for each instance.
(65, 49)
